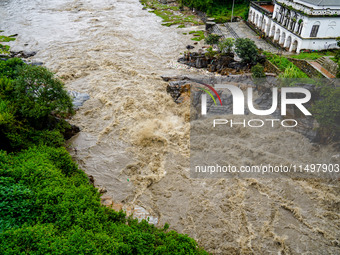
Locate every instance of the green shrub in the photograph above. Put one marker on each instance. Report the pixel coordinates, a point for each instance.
(48, 206)
(246, 50)
(210, 52)
(258, 71)
(212, 39)
(40, 94)
(226, 45)
(9, 68)
(31, 99)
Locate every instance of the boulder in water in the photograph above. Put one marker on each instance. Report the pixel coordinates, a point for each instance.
(78, 98)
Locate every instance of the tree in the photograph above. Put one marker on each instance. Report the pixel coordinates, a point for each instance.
(40, 94)
(32, 105)
(246, 50)
(212, 39)
(226, 45)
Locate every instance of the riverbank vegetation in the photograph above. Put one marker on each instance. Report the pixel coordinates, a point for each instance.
(47, 205)
(312, 55)
(198, 35)
(288, 69)
(171, 14)
(4, 49)
(221, 10)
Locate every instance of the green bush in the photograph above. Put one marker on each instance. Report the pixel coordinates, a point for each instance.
(246, 50)
(210, 52)
(32, 106)
(258, 71)
(288, 69)
(48, 206)
(4, 49)
(226, 45)
(40, 94)
(212, 39)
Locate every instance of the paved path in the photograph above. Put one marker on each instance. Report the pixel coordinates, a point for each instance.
(240, 29)
(321, 69)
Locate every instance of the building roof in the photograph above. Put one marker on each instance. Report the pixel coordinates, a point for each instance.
(268, 7)
(322, 2)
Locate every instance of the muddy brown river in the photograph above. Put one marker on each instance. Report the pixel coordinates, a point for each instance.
(134, 139)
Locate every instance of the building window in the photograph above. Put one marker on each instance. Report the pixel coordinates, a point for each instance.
(315, 29)
(299, 30)
(281, 15)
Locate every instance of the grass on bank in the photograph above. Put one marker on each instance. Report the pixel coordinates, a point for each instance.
(312, 55)
(198, 35)
(170, 14)
(4, 49)
(288, 69)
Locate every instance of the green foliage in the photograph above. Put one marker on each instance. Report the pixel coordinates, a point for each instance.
(312, 55)
(220, 10)
(198, 35)
(16, 202)
(292, 71)
(212, 39)
(39, 93)
(167, 13)
(246, 50)
(210, 52)
(288, 69)
(4, 49)
(258, 71)
(226, 45)
(48, 207)
(31, 99)
(9, 68)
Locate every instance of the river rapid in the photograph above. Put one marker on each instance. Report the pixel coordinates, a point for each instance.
(134, 139)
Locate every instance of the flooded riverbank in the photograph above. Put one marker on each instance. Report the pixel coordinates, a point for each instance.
(134, 139)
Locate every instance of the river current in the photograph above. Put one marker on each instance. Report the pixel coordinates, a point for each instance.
(134, 139)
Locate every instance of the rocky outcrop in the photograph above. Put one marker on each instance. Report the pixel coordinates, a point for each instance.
(22, 54)
(72, 131)
(136, 211)
(223, 64)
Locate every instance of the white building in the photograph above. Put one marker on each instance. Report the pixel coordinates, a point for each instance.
(298, 24)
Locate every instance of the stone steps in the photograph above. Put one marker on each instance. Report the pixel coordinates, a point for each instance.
(231, 31)
(321, 60)
(327, 64)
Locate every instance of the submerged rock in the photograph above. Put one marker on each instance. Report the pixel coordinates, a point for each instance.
(78, 98)
(23, 54)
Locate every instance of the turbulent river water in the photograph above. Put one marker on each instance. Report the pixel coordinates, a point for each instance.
(134, 139)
